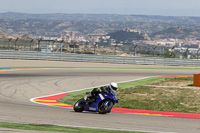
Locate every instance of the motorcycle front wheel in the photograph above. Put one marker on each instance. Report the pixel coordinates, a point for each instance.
(79, 105)
(105, 107)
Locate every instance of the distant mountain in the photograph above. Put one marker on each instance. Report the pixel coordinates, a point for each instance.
(177, 32)
(54, 24)
(124, 36)
(95, 17)
(5, 35)
(63, 16)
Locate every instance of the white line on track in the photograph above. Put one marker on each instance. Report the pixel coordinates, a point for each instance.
(32, 100)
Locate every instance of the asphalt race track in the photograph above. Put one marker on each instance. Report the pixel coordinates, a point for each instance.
(18, 87)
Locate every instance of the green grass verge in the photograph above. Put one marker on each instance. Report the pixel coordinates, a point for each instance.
(160, 99)
(161, 68)
(72, 97)
(141, 82)
(135, 95)
(168, 99)
(52, 128)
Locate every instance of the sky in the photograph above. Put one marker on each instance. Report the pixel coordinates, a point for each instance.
(128, 7)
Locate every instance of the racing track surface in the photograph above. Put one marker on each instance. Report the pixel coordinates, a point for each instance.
(18, 87)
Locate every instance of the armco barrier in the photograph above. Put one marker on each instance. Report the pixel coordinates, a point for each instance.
(97, 58)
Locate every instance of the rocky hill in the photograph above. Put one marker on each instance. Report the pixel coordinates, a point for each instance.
(177, 32)
(89, 17)
(97, 24)
(5, 36)
(99, 17)
(126, 36)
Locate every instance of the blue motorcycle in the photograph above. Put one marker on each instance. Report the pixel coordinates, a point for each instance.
(102, 102)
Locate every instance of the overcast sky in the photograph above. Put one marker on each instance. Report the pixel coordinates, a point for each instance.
(138, 7)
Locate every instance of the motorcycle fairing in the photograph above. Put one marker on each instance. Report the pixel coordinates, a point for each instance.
(100, 97)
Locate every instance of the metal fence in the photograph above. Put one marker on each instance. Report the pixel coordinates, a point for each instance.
(97, 58)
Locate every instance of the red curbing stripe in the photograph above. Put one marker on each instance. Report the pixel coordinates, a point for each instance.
(52, 100)
(159, 113)
(54, 97)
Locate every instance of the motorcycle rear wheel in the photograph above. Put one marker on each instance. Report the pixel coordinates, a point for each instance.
(105, 109)
(79, 105)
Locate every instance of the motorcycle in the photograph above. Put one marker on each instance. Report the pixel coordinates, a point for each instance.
(102, 103)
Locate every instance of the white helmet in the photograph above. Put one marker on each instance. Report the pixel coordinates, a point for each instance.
(113, 86)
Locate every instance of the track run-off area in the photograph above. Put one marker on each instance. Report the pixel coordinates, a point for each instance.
(53, 101)
(41, 78)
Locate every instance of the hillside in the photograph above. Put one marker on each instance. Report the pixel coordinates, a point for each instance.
(53, 25)
(177, 32)
(5, 36)
(87, 17)
(126, 36)
(101, 17)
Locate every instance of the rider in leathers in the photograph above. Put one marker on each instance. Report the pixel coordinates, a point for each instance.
(91, 96)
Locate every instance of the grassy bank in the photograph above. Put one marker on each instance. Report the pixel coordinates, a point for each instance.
(154, 93)
(72, 97)
(171, 95)
(53, 128)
